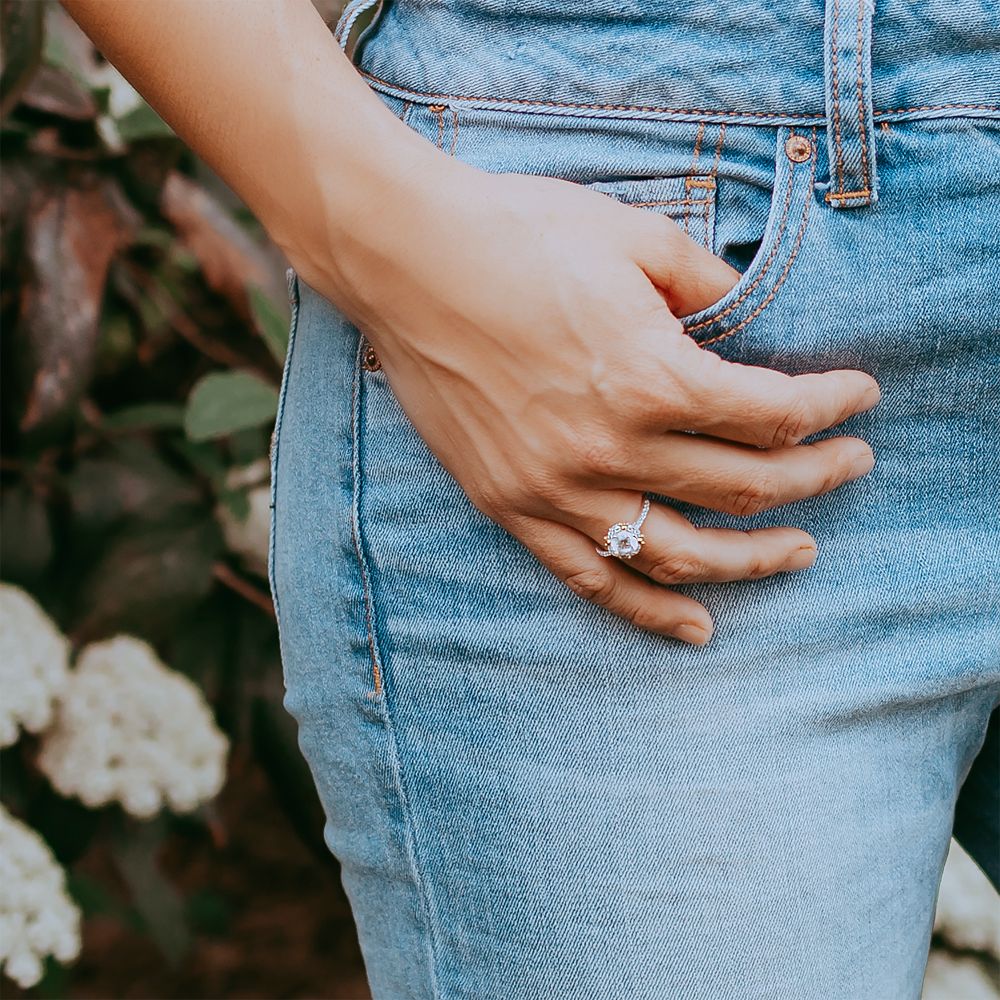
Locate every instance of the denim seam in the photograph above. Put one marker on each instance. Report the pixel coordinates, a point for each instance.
(710, 236)
(686, 114)
(788, 264)
(356, 390)
(380, 691)
(835, 80)
(765, 267)
(865, 175)
(693, 172)
(293, 300)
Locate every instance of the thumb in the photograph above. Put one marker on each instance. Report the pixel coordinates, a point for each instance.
(687, 275)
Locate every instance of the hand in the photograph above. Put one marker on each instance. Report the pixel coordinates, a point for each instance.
(528, 329)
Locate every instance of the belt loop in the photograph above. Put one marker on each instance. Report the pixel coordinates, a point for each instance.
(850, 126)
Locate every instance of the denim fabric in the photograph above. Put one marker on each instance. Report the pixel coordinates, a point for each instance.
(532, 798)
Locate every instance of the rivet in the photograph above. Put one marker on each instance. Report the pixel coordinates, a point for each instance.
(798, 148)
(370, 361)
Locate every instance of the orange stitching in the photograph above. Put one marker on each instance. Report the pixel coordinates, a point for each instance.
(939, 107)
(587, 107)
(837, 195)
(454, 136)
(706, 235)
(767, 263)
(694, 167)
(862, 120)
(700, 182)
(438, 110)
(834, 36)
(784, 274)
(668, 201)
(653, 109)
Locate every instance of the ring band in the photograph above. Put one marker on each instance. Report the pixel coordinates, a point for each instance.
(624, 539)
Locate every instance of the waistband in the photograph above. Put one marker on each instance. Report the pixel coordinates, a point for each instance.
(736, 61)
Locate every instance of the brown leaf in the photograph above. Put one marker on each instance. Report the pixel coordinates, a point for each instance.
(71, 235)
(230, 259)
(56, 92)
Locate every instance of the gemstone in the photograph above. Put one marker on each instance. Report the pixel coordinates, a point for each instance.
(623, 541)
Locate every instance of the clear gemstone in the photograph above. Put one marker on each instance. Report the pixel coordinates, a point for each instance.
(623, 541)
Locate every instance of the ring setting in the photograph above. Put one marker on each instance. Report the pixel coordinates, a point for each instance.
(624, 539)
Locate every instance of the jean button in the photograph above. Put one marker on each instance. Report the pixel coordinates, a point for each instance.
(798, 148)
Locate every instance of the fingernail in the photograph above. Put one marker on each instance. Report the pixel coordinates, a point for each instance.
(862, 465)
(693, 633)
(801, 558)
(871, 397)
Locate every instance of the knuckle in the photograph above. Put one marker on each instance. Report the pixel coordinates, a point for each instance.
(753, 497)
(592, 584)
(676, 567)
(792, 425)
(599, 455)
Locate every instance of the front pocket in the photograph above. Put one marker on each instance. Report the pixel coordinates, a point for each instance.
(772, 261)
(689, 201)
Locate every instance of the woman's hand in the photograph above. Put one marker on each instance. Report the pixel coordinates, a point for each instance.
(528, 329)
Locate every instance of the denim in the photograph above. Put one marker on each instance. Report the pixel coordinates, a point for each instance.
(531, 797)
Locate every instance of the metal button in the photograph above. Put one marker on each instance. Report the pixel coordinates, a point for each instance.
(798, 148)
(369, 359)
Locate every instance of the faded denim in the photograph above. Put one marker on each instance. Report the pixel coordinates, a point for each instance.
(530, 797)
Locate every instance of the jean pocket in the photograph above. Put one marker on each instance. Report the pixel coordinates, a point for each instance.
(773, 255)
(293, 303)
(689, 201)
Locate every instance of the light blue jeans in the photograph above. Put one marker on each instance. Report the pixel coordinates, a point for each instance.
(532, 798)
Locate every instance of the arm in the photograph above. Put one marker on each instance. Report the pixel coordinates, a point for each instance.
(543, 434)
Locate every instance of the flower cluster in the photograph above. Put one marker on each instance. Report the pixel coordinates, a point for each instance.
(37, 917)
(34, 664)
(129, 729)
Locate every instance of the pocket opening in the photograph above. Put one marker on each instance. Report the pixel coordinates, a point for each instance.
(772, 257)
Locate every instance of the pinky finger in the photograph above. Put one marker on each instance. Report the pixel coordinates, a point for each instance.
(570, 555)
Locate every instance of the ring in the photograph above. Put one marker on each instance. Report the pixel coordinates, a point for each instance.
(624, 538)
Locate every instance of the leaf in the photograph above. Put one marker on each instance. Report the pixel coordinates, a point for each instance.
(21, 46)
(142, 122)
(159, 903)
(271, 324)
(71, 236)
(145, 417)
(223, 402)
(25, 534)
(150, 576)
(230, 259)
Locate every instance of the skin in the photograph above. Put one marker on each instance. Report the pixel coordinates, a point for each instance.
(539, 355)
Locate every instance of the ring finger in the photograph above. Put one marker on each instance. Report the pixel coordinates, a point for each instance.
(675, 551)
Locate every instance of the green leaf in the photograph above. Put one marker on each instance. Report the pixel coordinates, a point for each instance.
(145, 417)
(271, 324)
(223, 402)
(142, 122)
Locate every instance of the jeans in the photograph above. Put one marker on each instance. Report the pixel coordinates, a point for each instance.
(533, 798)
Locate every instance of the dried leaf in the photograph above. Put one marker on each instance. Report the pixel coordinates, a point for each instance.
(71, 236)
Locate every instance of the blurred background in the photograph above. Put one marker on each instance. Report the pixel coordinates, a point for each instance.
(159, 832)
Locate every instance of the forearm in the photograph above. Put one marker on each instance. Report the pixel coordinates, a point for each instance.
(261, 91)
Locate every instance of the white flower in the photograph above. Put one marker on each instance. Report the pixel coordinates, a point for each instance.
(129, 729)
(968, 911)
(37, 916)
(249, 537)
(34, 658)
(951, 977)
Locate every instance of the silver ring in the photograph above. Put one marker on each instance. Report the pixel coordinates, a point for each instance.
(624, 539)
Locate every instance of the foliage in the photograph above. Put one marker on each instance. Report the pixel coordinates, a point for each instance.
(144, 318)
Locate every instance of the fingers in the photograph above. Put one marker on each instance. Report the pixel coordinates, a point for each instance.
(612, 585)
(734, 478)
(688, 276)
(757, 406)
(675, 551)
